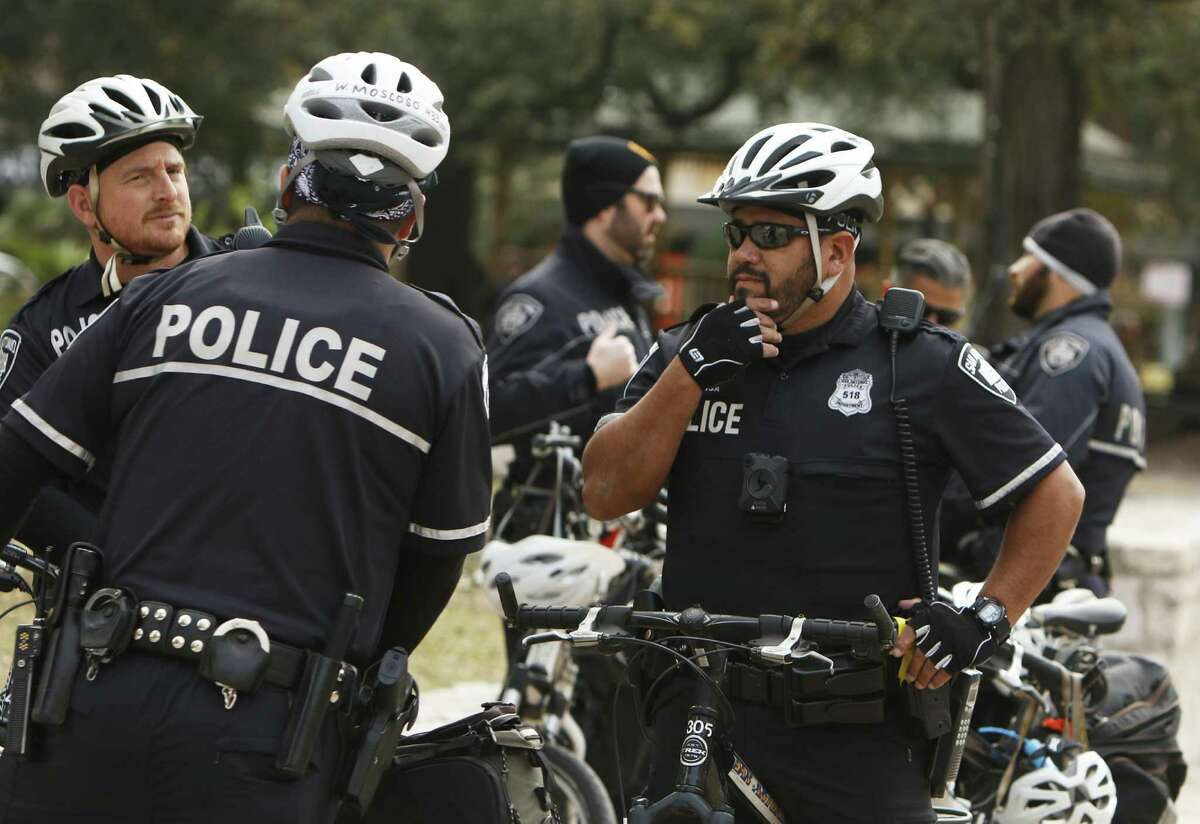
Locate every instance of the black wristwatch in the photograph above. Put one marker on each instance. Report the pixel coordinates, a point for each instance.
(993, 616)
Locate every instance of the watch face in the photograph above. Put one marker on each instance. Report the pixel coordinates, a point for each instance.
(990, 612)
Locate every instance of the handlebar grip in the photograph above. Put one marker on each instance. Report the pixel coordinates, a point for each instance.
(549, 617)
(884, 624)
(508, 596)
(850, 633)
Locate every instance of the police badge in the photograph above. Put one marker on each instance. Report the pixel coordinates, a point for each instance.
(852, 395)
(10, 342)
(1062, 353)
(516, 315)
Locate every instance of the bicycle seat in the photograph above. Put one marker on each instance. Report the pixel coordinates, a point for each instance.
(1101, 616)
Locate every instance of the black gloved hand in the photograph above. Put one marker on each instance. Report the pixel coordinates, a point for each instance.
(951, 637)
(722, 344)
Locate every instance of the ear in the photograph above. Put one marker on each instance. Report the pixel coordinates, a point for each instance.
(406, 229)
(841, 252)
(80, 202)
(883, 287)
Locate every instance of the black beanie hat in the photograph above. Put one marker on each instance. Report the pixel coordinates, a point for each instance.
(1080, 245)
(597, 171)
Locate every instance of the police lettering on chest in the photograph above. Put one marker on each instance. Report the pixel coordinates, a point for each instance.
(717, 417)
(594, 321)
(316, 354)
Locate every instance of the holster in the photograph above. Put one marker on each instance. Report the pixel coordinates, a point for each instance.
(930, 709)
(389, 710)
(62, 652)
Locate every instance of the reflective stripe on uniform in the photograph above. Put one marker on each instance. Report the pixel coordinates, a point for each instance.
(1126, 452)
(277, 382)
(21, 408)
(450, 534)
(1024, 475)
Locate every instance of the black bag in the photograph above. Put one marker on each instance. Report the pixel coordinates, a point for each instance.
(487, 768)
(1135, 728)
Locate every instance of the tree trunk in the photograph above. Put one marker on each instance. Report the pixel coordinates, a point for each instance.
(1032, 155)
(444, 259)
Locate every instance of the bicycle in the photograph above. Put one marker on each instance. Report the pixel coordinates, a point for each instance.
(702, 791)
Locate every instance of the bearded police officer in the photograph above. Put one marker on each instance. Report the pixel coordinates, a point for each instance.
(295, 425)
(113, 148)
(568, 334)
(795, 373)
(1073, 375)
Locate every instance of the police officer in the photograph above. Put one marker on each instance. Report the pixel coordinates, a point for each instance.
(1073, 375)
(795, 369)
(939, 271)
(113, 148)
(569, 333)
(295, 424)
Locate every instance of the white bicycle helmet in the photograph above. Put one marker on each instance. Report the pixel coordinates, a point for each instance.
(548, 571)
(808, 169)
(91, 123)
(1083, 793)
(371, 102)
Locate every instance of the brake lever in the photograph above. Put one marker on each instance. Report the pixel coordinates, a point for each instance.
(545, 637)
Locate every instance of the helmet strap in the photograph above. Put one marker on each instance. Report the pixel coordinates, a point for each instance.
(820, 287)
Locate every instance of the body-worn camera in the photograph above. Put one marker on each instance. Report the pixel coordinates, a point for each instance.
(764, 485)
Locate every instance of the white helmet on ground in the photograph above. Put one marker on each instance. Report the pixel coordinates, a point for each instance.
(821, 173)
(1083, 793)
(548, 571)
(371, 102)
(91, 123)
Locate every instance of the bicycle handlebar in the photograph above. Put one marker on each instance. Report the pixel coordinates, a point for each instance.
(779, 633)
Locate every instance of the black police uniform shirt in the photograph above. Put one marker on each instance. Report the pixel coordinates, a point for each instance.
(42, 330)
(1071, 372)
(545, 323)
(290, 422)
(823, 404)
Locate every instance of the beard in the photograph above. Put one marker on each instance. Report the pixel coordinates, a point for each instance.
(1027, 299)
(627, 233)
(789, 292)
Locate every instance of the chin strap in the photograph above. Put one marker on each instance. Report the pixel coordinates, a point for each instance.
(820, 287)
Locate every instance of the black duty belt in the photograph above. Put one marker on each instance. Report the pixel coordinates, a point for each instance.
(854, 693)
(185, 633)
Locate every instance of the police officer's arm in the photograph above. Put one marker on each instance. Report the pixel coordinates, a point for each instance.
(450, 516)
(536, 370)
(55, 517)
(66, 416)
(1064, 387)
(629, 457)
(1004, 456)
(22, 473)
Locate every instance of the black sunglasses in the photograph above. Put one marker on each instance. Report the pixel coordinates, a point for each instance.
(650, 199)
(763, 235)
(942, 317)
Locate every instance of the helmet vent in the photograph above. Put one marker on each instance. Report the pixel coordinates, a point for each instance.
(404, 85)
(813, 180)
(426, 137)
(796, 161)
(177, 103)
(323, 109)
(155, 100)
(69, 131)
(105, 112)
(380, 113)
(368, 74)
(318, 74)
(121, 99)
(753, 151)
(781, 152)
(842, 146)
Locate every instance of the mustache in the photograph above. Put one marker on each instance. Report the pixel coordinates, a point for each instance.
(745, 269)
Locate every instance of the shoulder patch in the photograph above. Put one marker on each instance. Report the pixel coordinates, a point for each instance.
(10, 342)
(976, 367)
(516, 316)
(1061, 353)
